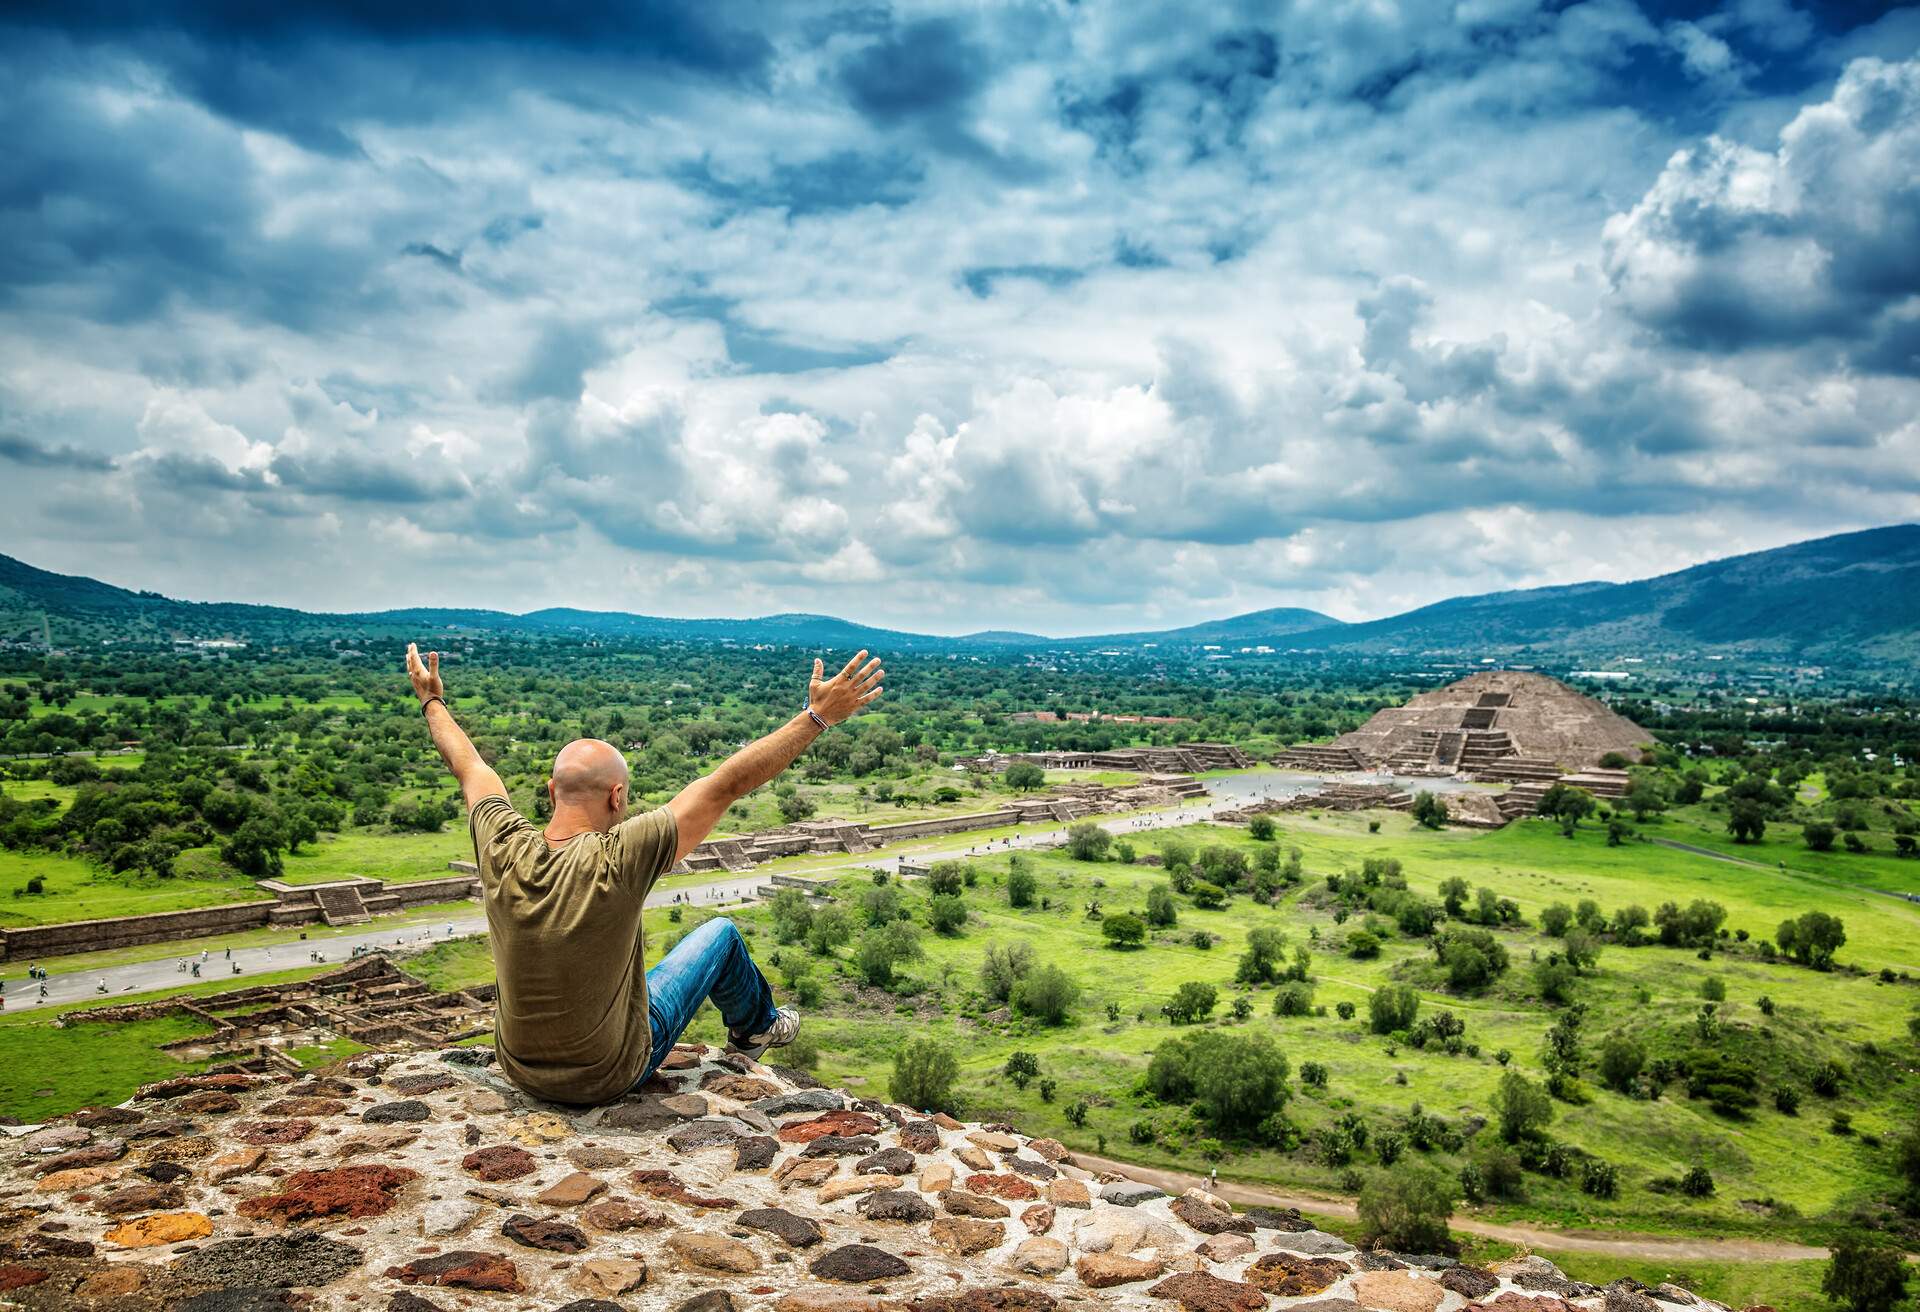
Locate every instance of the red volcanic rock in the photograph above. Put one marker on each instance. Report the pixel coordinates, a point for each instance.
(844, 1123)
(186, 1084)
(15, 1276)
(500, 1163)
(264, 1134)
(1011, 1187)
(288, 1106)
(206, 1102)
(352, 1191)
(664, 1184)
(461, 1269)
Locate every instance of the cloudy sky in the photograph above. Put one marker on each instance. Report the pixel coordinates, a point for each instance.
(1055, 316)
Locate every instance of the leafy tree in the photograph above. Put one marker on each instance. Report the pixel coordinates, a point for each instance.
(946, 877)
(1429, 811)
(1160, 908)
(881, 904)
(1555, 919)
(1024, 776)
(1621, 1060)
(1294, 998)
(1554, 978)
(1363, 945)
(1021, 883)
(1406, 1209)
(924, 1073)
(1192, 1001)
(1087, 841)
(1123, 929)
(1392, 1007)
(1865, 1274)
(1472, 957)
(792, 915)
(1521, 1106)
(1260, 828)
(1208, 896)
(1234, 1080)
(946, 914)
(1004, 966)
(1812, 938)
(1022, 1067)
(883, 950)
(1568, 805)
(1819, 835)
(1047, 994)
(1261, 963)
(1747, 821)
(830, 928)
(795, 806)
(1453, 895)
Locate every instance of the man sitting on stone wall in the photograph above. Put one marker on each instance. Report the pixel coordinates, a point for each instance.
(580, 1019)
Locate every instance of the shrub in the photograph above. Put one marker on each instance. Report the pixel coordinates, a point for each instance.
(1786, 1100)
(1522, 1107)
(946, 914)
(1261, 828)
(1828, 1078)
(1047, 1086)
(881, 952)
(1242, 1007)
(1294, 998)
(1020, 882)
(1472, 957)
(1363, 945)
(1392, 1007)
(1429, 811)
(1048, 994)
(880, 904)
(1077, 1112)
(1160, 908)
(1865, 1274)
(792, 915)
(1314, 1074)
(924, 1073)
(1003, 967)
(1191, 1002)
(946, 877)
(1812, 939)
(1123, 929)
(1501, 1173)
(1234, 1080)
(1261, 963)
(1555, 919)
(1819, 836)
(1601, 1179)
(1208, 896)
(1344, 1010)
(1406, 1210)
(1202, 939)
(1713, 989)
(1697, 1182)
(1621, 1060)
(1087, 841)
(831, 928)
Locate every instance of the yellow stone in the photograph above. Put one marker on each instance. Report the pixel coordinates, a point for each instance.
(537, 1128)
(161, 1228)
(80, 1177)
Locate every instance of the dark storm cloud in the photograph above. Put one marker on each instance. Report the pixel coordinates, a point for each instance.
(25, 451)
(354, 477)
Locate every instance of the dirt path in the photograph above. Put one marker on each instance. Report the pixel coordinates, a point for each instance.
(1792, 871)
(1651, 1247)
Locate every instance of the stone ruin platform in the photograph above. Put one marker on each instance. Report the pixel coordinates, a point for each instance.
(409, 1182)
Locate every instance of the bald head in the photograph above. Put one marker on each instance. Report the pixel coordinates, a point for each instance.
(586, 772)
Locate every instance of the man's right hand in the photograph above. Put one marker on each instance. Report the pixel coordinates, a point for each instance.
(833, 700)
(426, 674)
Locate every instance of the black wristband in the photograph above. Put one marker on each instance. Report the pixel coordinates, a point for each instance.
(815, 717)
(431, 700)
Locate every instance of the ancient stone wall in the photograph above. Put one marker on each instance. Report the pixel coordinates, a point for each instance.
(32, 941)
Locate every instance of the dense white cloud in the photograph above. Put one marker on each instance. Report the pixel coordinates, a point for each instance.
(1066, 318)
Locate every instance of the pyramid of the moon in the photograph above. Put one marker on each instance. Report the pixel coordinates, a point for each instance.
(1488, 717)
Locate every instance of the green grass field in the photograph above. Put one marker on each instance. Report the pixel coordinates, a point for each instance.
(46, 1070)
(1777, 1175)
(78, 890)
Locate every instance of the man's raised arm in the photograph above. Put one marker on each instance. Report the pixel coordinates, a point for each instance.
(476, 777)
(698, 807)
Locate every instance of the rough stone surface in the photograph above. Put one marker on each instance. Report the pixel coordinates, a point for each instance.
(1397, 1291)
(1291, 1276)
(619, 1216)
(1207, 1219)
(504, 1162)
(713, 1253)
(963, 1236)
(571, 1190)
(1472, 1282)
(407, 1109)
(754, 1152)
(1314, 1243)
(161, 1228)
(794, 1231)
(894, 1205)
(461, 1269)
(958, 1202)
(858, 1264)
(1104, 1270)
(354, 1191)
(1002, 1186)
(299, 1259)
(609, 1277)
(1039, 1257)
(1129, 1193)
(1198, 1291)
(545, 1233)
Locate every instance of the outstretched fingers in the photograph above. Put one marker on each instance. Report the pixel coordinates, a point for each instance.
(866, 697)
(857, 658)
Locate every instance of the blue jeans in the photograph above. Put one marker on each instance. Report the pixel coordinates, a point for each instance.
(710, 962)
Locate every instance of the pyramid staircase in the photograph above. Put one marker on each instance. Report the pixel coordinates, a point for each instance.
(1319, 759)
(1483, 747)
(340, 904)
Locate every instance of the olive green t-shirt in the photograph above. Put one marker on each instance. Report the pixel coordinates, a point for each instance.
(571, 1022)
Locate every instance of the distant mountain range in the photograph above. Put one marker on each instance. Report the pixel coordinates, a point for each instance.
(1852, 598)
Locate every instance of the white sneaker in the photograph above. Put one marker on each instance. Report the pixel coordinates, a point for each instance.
(784, 1030)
